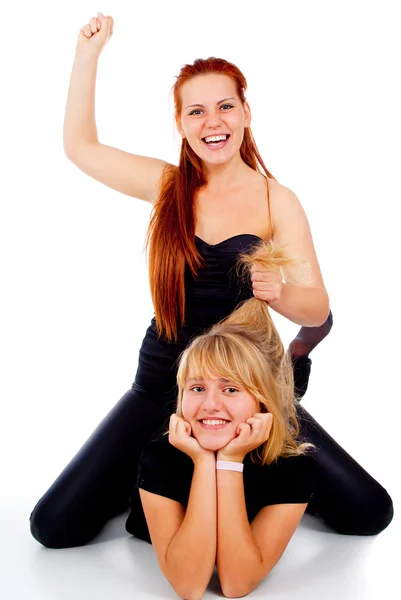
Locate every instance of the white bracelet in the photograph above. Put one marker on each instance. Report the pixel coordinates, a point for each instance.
(229, 466)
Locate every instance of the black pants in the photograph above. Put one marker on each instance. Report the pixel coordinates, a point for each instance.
(98, 483)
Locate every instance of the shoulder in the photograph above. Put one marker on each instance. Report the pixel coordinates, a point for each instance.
(285, 207)
(298, 463)
(282, 198)
(164, 470)
(159, 452)
(284, 466)
(278, 191)
(289, 479)
(295, 463)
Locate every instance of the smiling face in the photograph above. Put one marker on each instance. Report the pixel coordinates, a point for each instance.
(211, 107)
(216, 398)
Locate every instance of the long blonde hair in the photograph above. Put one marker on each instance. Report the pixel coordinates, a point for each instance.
(246, 348)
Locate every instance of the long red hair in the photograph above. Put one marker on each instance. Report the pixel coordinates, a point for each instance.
(171, 231)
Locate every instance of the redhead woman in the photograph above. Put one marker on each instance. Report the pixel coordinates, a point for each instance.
(216, 204)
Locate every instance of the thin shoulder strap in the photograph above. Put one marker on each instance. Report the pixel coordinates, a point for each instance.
(271, 227)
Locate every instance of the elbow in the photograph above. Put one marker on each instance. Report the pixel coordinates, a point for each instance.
(189, 578)
(193, 594)
(232, 594)
(323, 312)
(69, 153)
(74, 151)
(239, 589)
(243, 586)
(327, 318)
(195, 590)
(237, 593)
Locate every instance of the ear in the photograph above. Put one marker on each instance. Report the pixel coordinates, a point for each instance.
(248, 116)
(179, 127)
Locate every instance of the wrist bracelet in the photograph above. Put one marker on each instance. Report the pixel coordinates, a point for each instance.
(229, 466)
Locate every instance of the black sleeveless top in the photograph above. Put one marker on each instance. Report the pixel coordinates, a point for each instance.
(210, 297)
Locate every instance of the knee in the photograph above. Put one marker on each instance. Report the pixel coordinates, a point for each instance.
(381, 513)
(37, 525)
(42, 528)
(52, 530)
(370, 519)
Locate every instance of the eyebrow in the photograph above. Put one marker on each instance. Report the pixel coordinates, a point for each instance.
(222, 379)
(201, 105)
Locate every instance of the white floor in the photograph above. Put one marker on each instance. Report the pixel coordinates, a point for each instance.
(317, 564)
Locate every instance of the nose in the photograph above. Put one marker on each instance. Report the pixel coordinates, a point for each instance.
(214, 120)
(212, 400)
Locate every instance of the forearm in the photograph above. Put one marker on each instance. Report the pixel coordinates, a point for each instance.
(191, 555)
(238, 558)
(79, 121)
(305, 306)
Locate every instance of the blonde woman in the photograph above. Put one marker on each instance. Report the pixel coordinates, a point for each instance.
(231, 482)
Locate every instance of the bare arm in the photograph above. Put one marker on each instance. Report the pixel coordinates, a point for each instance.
(307, 305)
(247, 552)
(185, 541)
(79, 121)
(130, 174)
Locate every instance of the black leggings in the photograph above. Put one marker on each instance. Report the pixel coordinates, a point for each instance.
(100, 480)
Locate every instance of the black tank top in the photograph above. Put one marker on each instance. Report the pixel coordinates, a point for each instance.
(209, 297)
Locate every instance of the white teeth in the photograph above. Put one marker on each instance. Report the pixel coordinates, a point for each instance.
(213, 422)
(216, 138)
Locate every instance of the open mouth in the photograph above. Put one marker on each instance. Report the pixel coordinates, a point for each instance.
(214, 424)
(214, 144)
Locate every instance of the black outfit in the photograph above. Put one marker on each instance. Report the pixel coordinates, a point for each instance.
(166, 471)
(99, 482)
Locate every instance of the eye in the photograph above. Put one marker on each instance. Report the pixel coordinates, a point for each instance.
(199, 387)
(197, 110)
(233, 389)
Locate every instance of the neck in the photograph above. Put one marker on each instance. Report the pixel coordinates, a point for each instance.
(220, 177)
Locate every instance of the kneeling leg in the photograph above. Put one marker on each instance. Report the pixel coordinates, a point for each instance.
(96, 485)
(347, 498)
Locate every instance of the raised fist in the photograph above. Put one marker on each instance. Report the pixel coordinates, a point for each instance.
(94, 36)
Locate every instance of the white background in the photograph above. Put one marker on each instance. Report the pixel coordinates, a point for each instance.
(323, 85)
